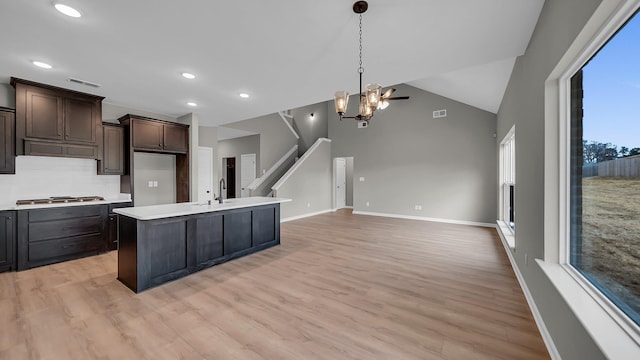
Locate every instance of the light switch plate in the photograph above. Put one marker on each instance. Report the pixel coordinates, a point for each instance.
(361, 178)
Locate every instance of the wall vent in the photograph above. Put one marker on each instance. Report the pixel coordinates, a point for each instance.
(440, 113)
(83, 82)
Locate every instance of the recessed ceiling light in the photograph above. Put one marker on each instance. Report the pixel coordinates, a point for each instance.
(244, 95)
(191, 103)
(67, 10)
(188, 75)
(41, 64)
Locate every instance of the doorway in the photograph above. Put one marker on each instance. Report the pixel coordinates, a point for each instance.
(247, 173)
(340, 183)
(343, 182)
(229, 175)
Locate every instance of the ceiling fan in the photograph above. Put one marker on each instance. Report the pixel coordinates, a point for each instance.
(386, 97)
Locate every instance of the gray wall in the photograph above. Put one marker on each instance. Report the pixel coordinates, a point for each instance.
(275, 138)
(309, 186)
(235, 148)
(154, 167)
(310, 129)
(7, 96)
(446, 165)
(111, 113)
(523, 105)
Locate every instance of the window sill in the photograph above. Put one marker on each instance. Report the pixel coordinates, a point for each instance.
(506, 234)
(613, 338)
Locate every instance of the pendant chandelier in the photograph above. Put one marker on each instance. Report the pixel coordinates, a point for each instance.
(368, 100)
(372, 98)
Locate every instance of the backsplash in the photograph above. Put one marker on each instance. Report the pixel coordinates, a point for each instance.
(39, 176)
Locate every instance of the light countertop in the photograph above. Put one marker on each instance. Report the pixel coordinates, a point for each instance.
(172, 210)
(78, 203)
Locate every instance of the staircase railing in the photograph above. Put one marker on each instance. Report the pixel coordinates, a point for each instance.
(262, 185)
(286, 116)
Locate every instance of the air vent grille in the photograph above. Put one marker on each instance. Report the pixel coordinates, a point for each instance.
(440, 113)
(83, 82)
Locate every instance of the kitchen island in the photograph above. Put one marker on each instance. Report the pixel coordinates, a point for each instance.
(161, 243)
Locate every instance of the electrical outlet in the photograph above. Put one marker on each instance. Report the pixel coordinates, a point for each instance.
(308, 205)
(367, 203)
(418, 207)
(150, 184)
(361, 178)
(155, 183)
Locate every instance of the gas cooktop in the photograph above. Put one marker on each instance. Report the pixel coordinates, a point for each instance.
(59, 199)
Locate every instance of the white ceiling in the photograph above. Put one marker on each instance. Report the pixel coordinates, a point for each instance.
(284, 53)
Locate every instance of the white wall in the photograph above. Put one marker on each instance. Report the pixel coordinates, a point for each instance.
(41, 177)
(208, 137)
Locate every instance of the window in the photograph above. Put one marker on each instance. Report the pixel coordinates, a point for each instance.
(508, 178)
(604, 170)
(507, 184)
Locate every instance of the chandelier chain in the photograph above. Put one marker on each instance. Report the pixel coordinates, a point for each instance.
(361, 69)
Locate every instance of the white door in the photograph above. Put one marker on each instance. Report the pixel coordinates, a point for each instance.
(341, 183)
(247, 172)
(205, 175)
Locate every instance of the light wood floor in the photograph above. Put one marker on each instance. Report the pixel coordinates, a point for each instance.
(340, 286)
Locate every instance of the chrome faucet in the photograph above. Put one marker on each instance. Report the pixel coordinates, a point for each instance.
(221, 186)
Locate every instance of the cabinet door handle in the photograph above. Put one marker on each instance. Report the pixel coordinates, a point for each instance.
(67, 246)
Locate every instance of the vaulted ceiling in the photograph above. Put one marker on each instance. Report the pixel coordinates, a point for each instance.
(283, 53)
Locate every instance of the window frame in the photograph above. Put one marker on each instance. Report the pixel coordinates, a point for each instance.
(506, 178)
(557, 236)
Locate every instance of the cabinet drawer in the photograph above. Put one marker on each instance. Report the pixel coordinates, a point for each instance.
(45, 230)
(48, 250)
(69, 212)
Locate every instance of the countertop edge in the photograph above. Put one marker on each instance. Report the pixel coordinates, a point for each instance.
(186, 209)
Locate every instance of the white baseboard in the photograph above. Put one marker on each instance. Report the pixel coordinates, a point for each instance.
(297, 217)
(546, 337)
(421, 218)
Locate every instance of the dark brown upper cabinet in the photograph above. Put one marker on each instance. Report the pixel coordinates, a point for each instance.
(176, 138)
(7, 146)
(113, 146)
(157, 136)
(144, 134)
(52, 121)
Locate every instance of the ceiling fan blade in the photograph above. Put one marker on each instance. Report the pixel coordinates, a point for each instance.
(388, 93)
(398, 98)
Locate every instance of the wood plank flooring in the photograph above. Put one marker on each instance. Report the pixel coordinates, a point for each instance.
(340, 286)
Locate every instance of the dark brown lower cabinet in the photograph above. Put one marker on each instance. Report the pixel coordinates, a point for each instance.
(7, 240)
(112, 226)
(51, 235)
(152, 252)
